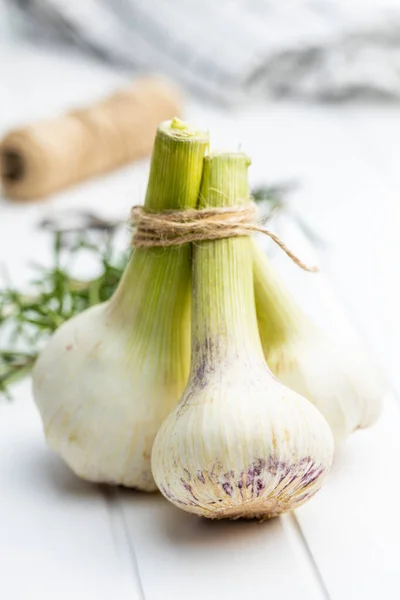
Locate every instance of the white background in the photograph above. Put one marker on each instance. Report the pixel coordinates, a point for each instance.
(62, 538)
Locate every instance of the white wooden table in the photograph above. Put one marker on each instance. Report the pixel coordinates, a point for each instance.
(63, 538)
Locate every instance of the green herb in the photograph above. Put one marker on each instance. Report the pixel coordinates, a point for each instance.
(28, 319)
(273, 197)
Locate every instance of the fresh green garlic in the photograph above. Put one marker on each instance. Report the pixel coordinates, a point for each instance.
(335, 375)
(109, 377)
(239, 443)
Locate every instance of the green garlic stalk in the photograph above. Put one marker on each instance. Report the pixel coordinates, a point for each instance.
(109, 376)
(335, 375)
(239, 443)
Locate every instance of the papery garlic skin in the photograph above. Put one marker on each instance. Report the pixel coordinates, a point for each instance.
(108, 377)
(234, 453)
(334, 374)
(335, 379)
(94, 428)
(104, 425)
(239, 443)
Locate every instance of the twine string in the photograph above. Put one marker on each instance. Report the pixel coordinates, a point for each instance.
(50, 155)
(177, 227)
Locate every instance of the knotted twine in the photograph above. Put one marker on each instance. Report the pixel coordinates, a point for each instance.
(47, 156)
(177, 227)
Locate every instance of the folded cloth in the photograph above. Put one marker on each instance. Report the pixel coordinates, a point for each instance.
(229, 49)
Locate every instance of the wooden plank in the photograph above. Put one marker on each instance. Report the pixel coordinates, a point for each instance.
(377, 134)
(356, 547)
(352, 537)
(181, 556)
(56, 538)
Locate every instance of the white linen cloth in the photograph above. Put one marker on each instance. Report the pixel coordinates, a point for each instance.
(227, 49)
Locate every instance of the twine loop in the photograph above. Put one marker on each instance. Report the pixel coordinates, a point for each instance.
(177, 227)
(50, 155)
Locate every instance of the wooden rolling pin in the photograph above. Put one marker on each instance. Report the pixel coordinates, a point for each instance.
(48, 156)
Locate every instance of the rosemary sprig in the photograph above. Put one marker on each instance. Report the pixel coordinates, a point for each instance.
(27, 319)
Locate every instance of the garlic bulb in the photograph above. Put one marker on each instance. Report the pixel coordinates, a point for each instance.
(335, 375)
(108, 377)
(239, 443)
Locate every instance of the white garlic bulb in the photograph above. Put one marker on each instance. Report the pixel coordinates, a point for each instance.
(336, 375)
(109, 376)
(239, 443)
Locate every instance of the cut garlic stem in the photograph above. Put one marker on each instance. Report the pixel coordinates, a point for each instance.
(109, 376)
